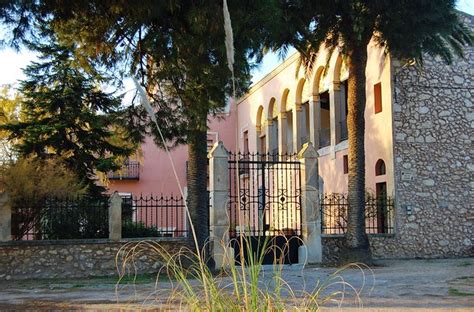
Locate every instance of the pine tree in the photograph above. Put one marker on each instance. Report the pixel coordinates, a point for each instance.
(177, 50)
(65, 114)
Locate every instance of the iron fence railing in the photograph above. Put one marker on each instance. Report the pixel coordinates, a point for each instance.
(130, 170)
(378, 214)
(57, 218)
(153, 216)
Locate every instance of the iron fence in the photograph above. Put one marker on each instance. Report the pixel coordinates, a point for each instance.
(378, 214)
(58, 218)
(153, 216)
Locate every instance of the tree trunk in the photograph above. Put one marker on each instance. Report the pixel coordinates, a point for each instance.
(198, 197)
(356, 239)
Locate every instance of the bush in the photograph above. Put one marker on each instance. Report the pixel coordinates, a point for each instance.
(132, 229)
(29, 182)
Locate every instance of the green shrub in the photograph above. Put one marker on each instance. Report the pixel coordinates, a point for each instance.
(132, 229)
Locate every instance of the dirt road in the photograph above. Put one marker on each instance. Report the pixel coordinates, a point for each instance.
(422, 285)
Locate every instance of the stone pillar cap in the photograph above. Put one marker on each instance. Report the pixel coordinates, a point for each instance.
(308, 151)
(218, 151)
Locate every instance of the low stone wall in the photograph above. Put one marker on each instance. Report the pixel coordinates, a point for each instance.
(380, 245)
(383, 247)
(82, 258)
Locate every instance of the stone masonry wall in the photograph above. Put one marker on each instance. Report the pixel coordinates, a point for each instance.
(79, 258)
(433, 119)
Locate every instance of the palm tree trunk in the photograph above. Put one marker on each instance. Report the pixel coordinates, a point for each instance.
(198, 198)
(356, 239)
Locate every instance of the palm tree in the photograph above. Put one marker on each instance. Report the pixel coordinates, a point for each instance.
(407, 29)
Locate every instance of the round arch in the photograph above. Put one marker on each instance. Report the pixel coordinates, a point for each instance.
(316, 80)
(299, 91)
(284, 100)
(380, 168)
(272, 110)
(260, 114)
(337, 68)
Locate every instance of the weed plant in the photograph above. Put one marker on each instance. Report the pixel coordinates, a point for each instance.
(242, 285)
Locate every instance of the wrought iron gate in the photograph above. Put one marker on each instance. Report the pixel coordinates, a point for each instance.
(265, 204)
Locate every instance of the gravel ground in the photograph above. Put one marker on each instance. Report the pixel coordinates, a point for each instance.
(421, 285)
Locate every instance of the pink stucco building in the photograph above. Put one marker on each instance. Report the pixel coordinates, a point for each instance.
(155, 174)
(282, 112)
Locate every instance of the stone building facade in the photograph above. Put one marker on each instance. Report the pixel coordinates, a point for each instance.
(433, 120)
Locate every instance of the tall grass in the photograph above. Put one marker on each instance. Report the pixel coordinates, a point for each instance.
(243, 285)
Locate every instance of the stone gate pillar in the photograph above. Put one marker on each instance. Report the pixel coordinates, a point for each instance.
(311, 251)
(115, 217)
(5, 219)
(219, 197)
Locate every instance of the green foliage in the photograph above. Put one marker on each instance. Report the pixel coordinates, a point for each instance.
(175, 47)
(31, 180)
(132, 229)
(65, 114)
(407, 29)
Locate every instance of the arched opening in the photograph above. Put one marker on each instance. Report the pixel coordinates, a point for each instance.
(284, 100)
(302, 104)
(380, 168)
(381, 197)
(272, 135)
(341, 95)
(285, 125)
(261, 132)
(324, 122)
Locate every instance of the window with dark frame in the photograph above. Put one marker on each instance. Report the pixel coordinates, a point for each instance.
(345, 164)
(380, 167)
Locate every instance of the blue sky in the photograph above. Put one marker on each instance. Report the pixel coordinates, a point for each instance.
(12, 62)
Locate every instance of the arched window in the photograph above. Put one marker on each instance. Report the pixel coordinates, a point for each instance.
(261, 132)
(380, 167)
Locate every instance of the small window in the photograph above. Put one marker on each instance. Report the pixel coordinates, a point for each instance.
(345, 164)
(380, 167)
(378, 97)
